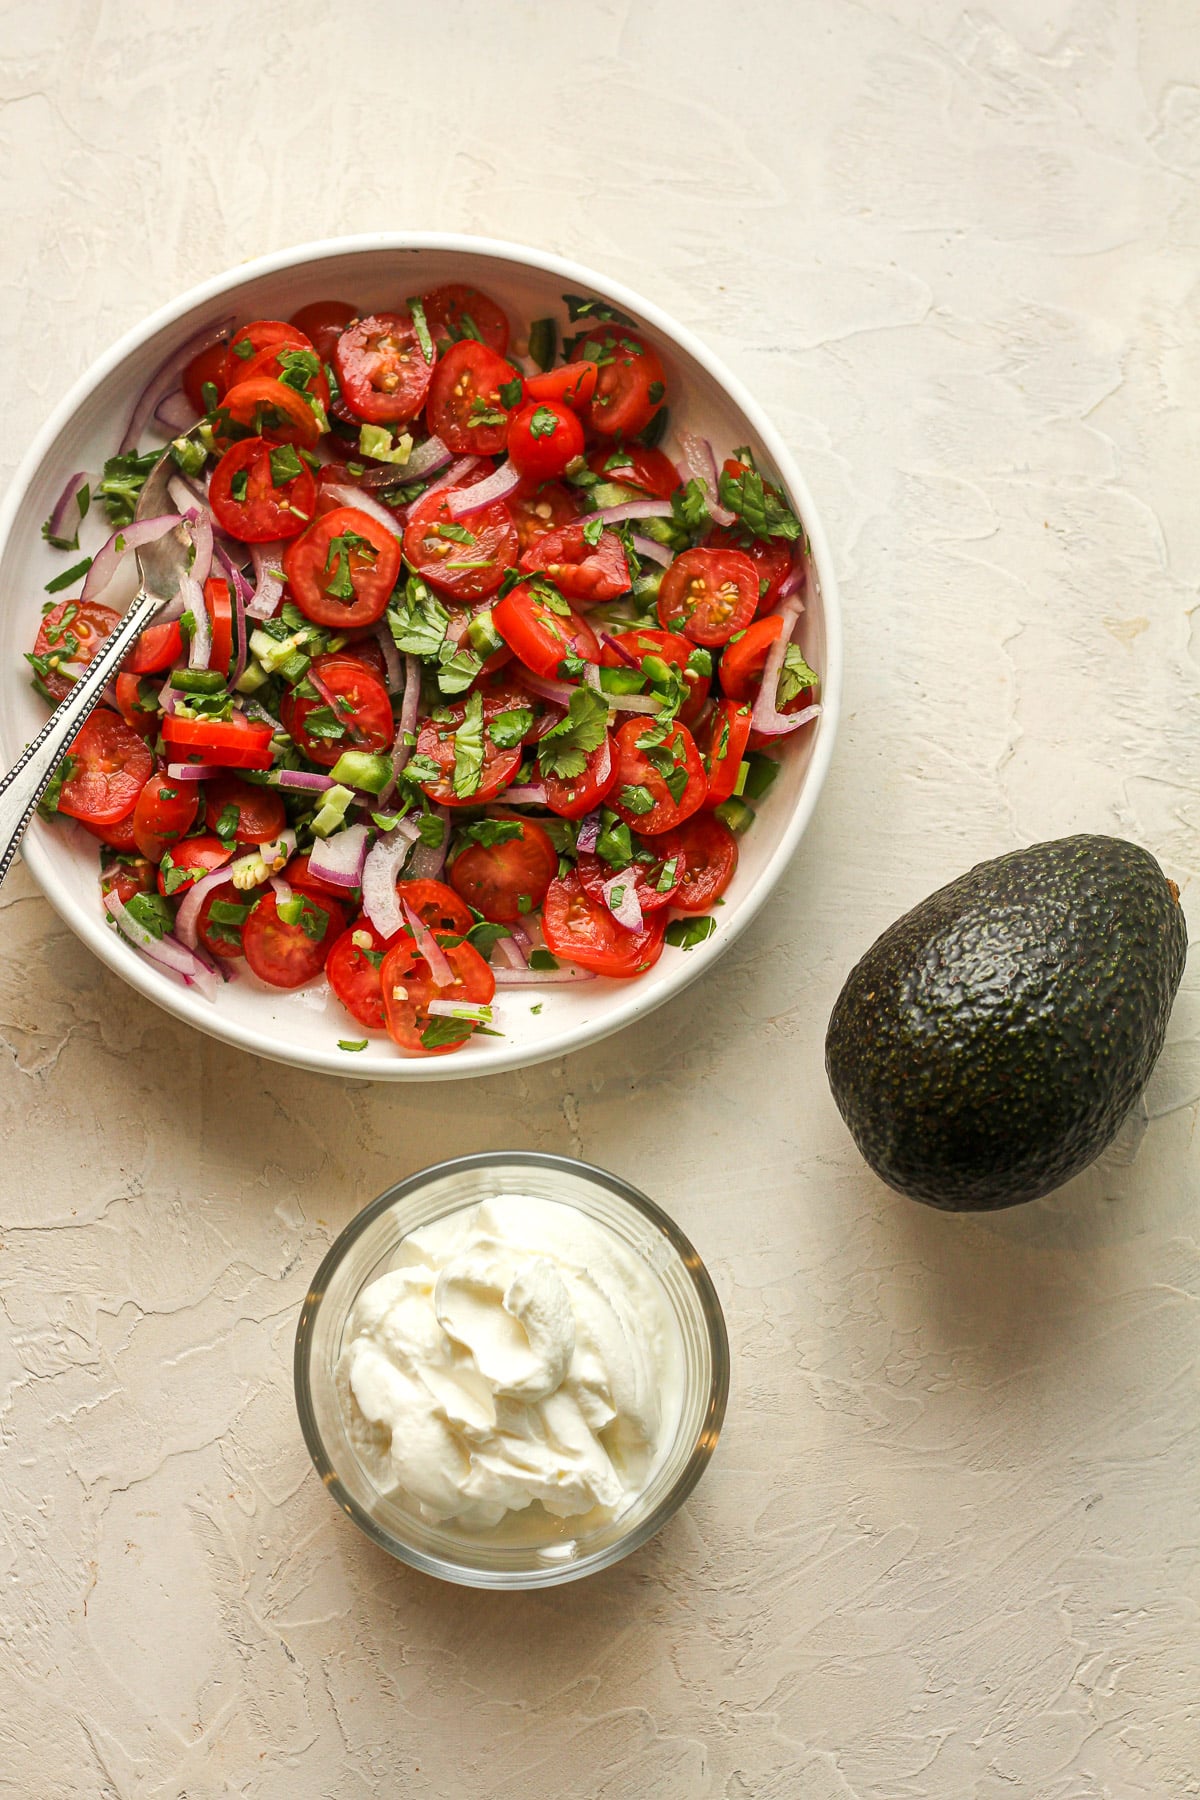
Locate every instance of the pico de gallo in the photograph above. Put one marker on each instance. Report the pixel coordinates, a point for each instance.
(471, 685)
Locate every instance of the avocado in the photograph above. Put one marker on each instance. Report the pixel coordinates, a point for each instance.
(989, 1045)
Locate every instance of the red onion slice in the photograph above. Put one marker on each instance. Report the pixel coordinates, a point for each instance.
(626, 655)
(188, 916)
(428, 860)
(453, 475)
(110, 556)
(632, 509)
(340, 858)
(589, 832)
(459, 1009)
(346, 495)
(165, 377)
(166, 951)
(381, 902)
(792, 583)
(300, 781)
(256, 710)
(426, 459)
(558, 691)
(393, 669)
(635, 703)
(535, 977)
(533, 795)
(497, 486)
(627, 909)
(649, 551)
(64, 519)
(180, 771)
(268, 580)
(330, 698)
(514, 956)
(430, 949)
(191, 594)
(240, 595)
(175, 412)
(700, 464)
(766, 716)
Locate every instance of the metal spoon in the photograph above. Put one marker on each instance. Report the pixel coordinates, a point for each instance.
(161, 565)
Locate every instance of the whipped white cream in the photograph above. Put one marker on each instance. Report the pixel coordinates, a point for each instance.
(518, 1355)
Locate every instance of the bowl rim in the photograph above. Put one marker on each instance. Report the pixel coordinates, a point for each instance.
(496, 1059)
(550, 1574)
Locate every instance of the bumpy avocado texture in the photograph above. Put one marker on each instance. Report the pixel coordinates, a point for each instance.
(989, 1045)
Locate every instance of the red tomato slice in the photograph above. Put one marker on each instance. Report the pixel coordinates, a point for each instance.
(506, 880)
(118, 836)
(582, 571)
(343, 549)
(263, 407)
(248, 341)
(314, 385)
(260, 812)
(164, 811)
(573, 385)
(643, 794)
(729, 733)
(571, 797)
(631, 383)
(72, 632)
(466, 408)
(539, 507)
(637, 467)
(743, 660)
(205, 370)
(248, 502)
(222, 936)
(219, 607)
(465, 567)
(237, 743)
(188, 861)
(324, 322)
(594, 873)
(382, 369)
(299, 875)
(581, 930)
(288, 956)
(538, 633)
(125, 879)
(708, 595)
(458, 311)
(772, 558)
(544, 439)
(138, 708)
(436, 740)
(111, 766)
(437, 906)
(408, 987)
(353, 968)
(710, 855)
(159, 647)
(669, 647)
(361, 704)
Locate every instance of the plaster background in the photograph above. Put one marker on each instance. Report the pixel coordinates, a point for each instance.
(948, 1546)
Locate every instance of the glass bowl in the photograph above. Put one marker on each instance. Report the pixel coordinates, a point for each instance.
(366, 1249)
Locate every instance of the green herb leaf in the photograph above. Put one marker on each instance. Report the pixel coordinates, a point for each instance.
(615, 842)
(239, 485)
(123, 480)
(285, 465)
(419, 623)
(468, 749)
(509, 728)
(580, 306)
(637, 800)
(422, 329)
(794, 676)
(543, 960)
(68, 576)
(564, 749)
(441, 1032)
(761, 510)
(593, 531)
(352, 1043)
(48, 804)
(510, 392)
(152, 912)
(544, 422)
(228, 822)
(685, 934)
(493, 831)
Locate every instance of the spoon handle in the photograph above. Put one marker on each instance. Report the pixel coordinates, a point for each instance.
(27, 781)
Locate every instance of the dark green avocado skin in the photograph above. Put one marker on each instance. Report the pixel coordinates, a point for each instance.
(989, 1045)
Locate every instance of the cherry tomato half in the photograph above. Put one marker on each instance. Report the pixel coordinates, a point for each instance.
(436, 739)
(631, 383)
(581, 930)
(408, 987)
(772, 558)
(382, 369)
(572, 796)
(710, 855)
(289, 955)
(159, 647)
(658, 785)
(111, 765)
(573, 385)
(353, 968)
(189, 860)
(465, 558)
(248, 341)
(72, 632)
(506, 880)
(206, 371)
(649, 471)
(458, 311)
(219, 607)
(236, 743)
(540, 507)
(261, 492)
(259, 811)
(670, 648)
(137, 703)
(324, 322)
(361, 707)
(742, 661)
(264, 407)
(164, 811)
(544, 439)
(467, 407)
(656, 881)
(583, 571)
(343, 569)
(538, 632)
(436, 905)
(132, 875)
(708, 595)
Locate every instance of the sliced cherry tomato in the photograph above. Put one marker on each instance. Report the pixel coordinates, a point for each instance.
(72, 632)
(708, 595)
(544, 439)
(436, 905)
(573, 385)
(436, 739)
(409, 986)
(458, 311)
(467, 407)
(311, 383)
(137, 703)
(365, 648)
(263, 407)
(189, 860)
(581, 570)
(538, 632)
(729, 733)
(658, 785)
(343, 569)
(236, 743)
(324, 322)
(649, 471)
(742, 661)
(206, 371)
(361, 705)
(159, 647)
(131, 875)
(260, 813)
(539, 507)
(506, 880)
(261, 492)
(382, 369)
(118, 836)
(260, 334)
(467, 557)
(111, 765)
(581, 930)
(287, 956)
(772, 557)
(298, 874)
(222, 935)
(219, 607)
(631, 383)
(572, 796)
(670, 648)
(710, 855)
(648, 877)
(165, 810)
(353, 969)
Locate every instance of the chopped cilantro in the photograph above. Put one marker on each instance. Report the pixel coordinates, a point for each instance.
(593, 531)
(421, 326)
(685, 934)
(637, 800)
(285, 465)
(508, 728)
(68, 576)
(565, 747)
(419, 623)
(510, 392)
(794, 676)
(439, 1033)
(352, 1043)
(469, 749)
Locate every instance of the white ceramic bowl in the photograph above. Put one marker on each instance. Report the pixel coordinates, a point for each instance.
(303, 1027)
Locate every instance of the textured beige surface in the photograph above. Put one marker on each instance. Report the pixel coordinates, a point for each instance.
(948, 1547)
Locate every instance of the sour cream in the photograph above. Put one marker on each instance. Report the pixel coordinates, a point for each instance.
(517, 1355)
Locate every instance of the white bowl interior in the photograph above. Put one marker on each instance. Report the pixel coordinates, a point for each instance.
(304, 1027)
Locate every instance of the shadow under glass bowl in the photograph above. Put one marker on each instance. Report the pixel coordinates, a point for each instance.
(365, 1250)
